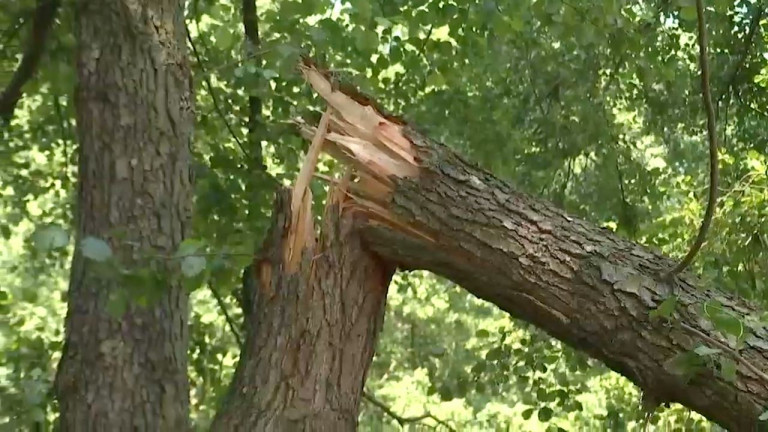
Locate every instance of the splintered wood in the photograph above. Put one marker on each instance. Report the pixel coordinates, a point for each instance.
(370, 143)
(301, 233)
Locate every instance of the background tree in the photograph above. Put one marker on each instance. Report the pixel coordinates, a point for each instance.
(596, 104)
(123, 363)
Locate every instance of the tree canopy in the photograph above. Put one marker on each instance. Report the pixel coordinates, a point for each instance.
(593, 105)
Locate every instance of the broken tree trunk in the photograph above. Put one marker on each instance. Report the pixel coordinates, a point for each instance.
(311, 326)
(426, 208)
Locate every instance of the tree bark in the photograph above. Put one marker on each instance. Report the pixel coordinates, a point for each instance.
(135, 119)
(310, 332)
(430, 209)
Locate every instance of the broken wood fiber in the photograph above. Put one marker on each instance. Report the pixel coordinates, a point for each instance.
(428, 208)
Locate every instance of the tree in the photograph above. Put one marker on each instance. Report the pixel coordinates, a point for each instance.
(427, 208)
(585, 286)
(603, 126)
(134, 119)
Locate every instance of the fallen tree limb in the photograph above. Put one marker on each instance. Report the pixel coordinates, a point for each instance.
(427, 208)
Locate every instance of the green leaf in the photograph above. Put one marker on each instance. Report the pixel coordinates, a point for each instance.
(665, 309)
(117, 304)
(542, 395)
(435, 79)
(528, 413)
(366, 40)
(493, 354)
(728, 369)
(705, 351)
(482, 334)
(479, 367)
(728, 324)
(545, 414)
(189, 247)
(95, 249)
(437, 351)
(192, 265)
(49, 238)
(688, 13)
(445, 393)
(363, 8)
(685, 364)
(269, 74)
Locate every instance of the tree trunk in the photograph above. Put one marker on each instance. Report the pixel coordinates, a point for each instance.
(128, 371)
(311, 331)
(429, 209)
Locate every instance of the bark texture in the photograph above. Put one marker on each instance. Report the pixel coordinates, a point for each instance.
(429, 209)
(135, 119)
(310, 333)
(582, 284)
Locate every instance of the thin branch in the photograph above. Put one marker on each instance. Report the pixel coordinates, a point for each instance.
(200, 254)
(42, 23)
(12, 31)
(424, 43)
(253, 43)
(65, 137)
(706, 95)
(402, 421)
(209, 85)
(749, 105)
(728, 350)
(227, 317)
(754, 26)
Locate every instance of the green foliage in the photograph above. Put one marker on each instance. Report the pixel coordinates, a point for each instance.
(593, 105)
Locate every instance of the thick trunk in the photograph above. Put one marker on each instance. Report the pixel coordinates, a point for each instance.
(134, 118)
(429, 209)
(311, 330)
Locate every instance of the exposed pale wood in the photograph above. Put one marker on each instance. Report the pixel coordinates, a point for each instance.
(582, 284)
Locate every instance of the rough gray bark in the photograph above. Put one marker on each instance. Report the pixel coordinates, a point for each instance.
(134, 119)
(582, 284)
(310, 334)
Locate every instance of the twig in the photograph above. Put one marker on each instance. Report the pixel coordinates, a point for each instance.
(209, 85)
(712, 135)
(754, 26)
(42, 23)
(753, 109)
(201, 254)
(66, 136)
(12, 31)
(424, 43)
(239, 61)
(402, 421)
(227, 317)
(727, 349)
(253, 42)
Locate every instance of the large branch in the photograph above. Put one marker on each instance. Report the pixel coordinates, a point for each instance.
(42, 23)
(429, 209)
